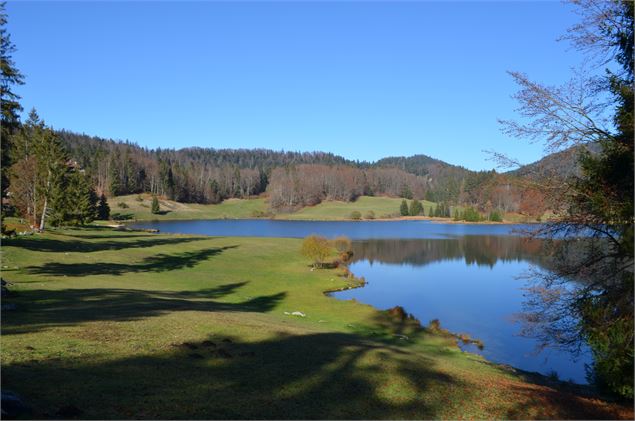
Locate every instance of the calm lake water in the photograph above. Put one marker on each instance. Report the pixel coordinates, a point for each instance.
(467, 276)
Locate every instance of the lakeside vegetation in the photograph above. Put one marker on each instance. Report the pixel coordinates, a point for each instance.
(139, 207)
(175, 320)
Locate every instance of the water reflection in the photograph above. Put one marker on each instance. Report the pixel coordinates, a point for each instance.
(471, 284)
(482, 250)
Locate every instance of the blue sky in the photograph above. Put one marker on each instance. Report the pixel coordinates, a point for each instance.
(363, 80)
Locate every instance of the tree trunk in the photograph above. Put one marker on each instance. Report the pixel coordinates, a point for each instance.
(43, 214)
(48, 186)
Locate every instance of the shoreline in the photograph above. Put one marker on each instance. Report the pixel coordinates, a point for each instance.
(396, 219)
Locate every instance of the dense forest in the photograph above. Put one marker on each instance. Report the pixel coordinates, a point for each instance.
(290, 179)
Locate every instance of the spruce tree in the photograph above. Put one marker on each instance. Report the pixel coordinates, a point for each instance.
(9, 100)
(415, 208)
(103, 210)
(437, 210)
(155, 209)
(403, 209)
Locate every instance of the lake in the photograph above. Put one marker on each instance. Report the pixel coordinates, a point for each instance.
(468, 276)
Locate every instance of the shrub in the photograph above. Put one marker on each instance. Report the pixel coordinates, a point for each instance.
(260, 214)
(121, 216)
(316, 248)
(343, 244)
(369, 215)
(495, 216)
(139, 198)
(122, 205)
(356, 215)
(471, 215)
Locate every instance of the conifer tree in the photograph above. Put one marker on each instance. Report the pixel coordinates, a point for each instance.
(415, 207)
(103, 210)
(40, 164)
(9, 101)
(403, 209)
(155, 209)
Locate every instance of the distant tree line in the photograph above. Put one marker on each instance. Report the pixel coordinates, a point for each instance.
(291, 179)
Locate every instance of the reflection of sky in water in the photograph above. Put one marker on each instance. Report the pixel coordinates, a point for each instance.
(477, 299)
(355, 230)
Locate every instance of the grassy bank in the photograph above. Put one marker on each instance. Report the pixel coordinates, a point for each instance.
(138, 207)
(133, 325)
(382, 207)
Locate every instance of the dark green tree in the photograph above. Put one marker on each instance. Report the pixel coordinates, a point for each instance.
(37, 143)
(155, 208)
(103, 209)
(403, 209)
(9, 101)
(80, 200)
(415, 208)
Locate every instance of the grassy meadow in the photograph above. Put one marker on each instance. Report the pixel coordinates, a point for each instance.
(138, 207)
(111, 324)
(383, 207)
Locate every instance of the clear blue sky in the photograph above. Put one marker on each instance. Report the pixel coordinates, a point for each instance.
(363, 80)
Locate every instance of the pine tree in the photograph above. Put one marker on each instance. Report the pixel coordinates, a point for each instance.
(415, 208)
(155, 209)
(9, 101)
(403, 209)
(103, 210)
(85, 210)
(39, 146)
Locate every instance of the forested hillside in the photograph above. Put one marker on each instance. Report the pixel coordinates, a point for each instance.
(290, 179)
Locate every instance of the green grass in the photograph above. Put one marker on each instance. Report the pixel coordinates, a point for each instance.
(383, 207)
(334, 210)
(250, 208)
(136, 325)
(170, 210)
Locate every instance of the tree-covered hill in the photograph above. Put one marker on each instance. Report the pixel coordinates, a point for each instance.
(291, 179)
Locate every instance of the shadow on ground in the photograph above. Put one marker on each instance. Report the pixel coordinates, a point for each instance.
(42, 309)
(319, 376)
(158, 263)
(313, 376)
(70, 243)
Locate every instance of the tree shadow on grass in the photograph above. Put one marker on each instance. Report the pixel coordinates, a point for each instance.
(312, 376)
(158, 263)
(316, 376)
(48, 244)
(42, 309)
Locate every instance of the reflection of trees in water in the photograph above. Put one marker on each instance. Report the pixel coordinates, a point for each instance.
(483, 250)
